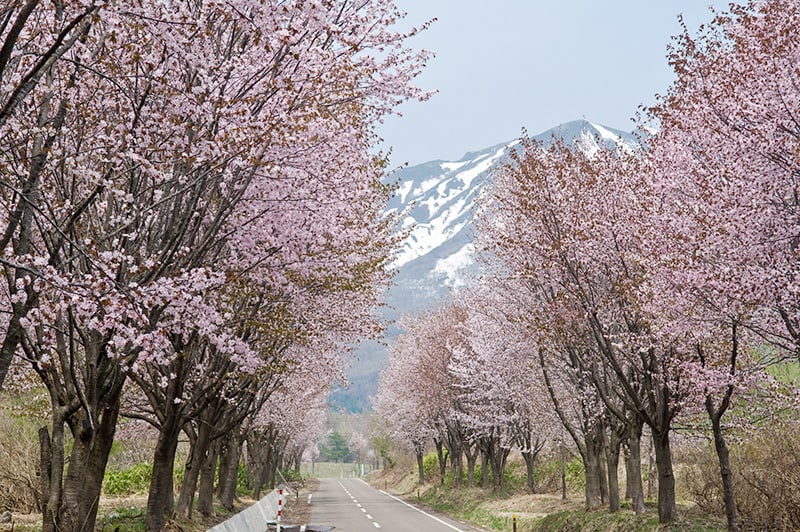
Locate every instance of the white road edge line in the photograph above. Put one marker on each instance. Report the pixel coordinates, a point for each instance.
(421, 511)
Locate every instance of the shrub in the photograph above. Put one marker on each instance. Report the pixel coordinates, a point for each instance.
(241, 480)
(19, 457)
(766, 472)
(547, 475)
(291, 475)
(515, 476)
(576, 475)
(430, 466)
(135, 479)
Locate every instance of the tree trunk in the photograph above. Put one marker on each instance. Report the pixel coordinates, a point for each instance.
(259, 475)
(666, 479)
(563, 471)
(721, 446)
(530, 464)
(96, 466)
(651, 471)
(626, 458)
(592, 455)
(603, 477)
(197, 457)
(52, 465)
(591, 464)
(472, 453)
(494, 462)
(70, 501)
(617, 433)
(272, 468)
(228, 473)
(420, 467)
(205, 496)
(440, 454)
(498, 461)
(633, 467)
(68, 519)
(161, 497)
(613, 478)
(485, 469)
(70, 497)
(457, 464)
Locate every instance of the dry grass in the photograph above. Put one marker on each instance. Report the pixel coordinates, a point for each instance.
(297, 509)
(539, 505)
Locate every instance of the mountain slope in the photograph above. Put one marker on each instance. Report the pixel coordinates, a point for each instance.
(436, 199)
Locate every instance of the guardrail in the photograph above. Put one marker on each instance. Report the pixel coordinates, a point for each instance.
(255, 517)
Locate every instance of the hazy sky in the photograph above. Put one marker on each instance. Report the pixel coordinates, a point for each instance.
(508, 64)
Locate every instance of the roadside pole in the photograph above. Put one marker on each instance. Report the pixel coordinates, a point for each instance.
(280, 508)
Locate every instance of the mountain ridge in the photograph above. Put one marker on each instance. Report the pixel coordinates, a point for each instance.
(435, 200)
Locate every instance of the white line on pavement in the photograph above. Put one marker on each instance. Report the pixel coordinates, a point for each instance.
(421, 511)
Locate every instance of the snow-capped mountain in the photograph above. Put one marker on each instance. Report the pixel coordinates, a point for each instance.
(436, 200)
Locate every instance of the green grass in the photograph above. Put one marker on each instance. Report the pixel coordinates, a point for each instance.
(127, 519)
(623, 521)
(467, 504)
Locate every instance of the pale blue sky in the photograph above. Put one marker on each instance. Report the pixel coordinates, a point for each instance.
(508, 64)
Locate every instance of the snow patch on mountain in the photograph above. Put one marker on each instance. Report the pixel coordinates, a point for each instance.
(439, 207)
(450, 167)
(436, 201)
(605, 134)
(452, 266)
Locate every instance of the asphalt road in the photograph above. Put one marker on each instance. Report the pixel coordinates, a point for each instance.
(352, 505)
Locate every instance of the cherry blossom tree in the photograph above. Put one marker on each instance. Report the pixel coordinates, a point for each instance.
(438, 337)
(291, 419)
(31, 47)
(454, 377)
(726, 171)
(559, 222)
(35, 36)
(501, 390)
(402, 400)
(418, 395)
(358, 445)
(171, 140)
